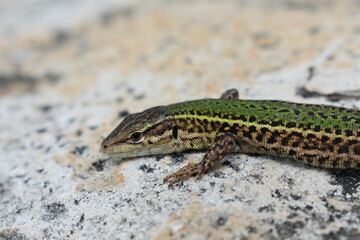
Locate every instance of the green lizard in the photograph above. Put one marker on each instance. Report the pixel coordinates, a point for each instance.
(319, 135)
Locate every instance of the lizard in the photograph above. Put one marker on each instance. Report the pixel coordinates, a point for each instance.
(323, 136)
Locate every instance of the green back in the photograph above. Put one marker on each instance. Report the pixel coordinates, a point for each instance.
(262, 111)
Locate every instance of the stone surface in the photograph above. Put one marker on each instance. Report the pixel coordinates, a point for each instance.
(65, 88)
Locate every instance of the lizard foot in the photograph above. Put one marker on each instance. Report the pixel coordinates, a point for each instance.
(192, 169)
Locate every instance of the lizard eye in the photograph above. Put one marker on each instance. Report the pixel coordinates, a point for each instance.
(136, 136)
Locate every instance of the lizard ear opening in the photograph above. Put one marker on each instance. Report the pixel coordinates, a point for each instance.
(175, 132)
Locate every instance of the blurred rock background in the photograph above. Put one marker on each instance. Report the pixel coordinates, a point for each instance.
(71, 70)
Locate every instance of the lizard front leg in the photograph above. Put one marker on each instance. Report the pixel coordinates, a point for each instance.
(230, 94)
(224, 143)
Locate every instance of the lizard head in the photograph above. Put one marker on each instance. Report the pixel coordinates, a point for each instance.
(141, 134)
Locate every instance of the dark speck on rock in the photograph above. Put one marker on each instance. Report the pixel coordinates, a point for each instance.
(329, 207)
(311, 71)
(61, 37)
(54, 210)
(295, 197)
(47, 149)
(314, 30)
(251, 229)
(59, 137)
(46, 184)
(78, 151)
(287, 229)
(82, 217)
(139, 97)
(45, 108)
(79, 132)
(146, 169)
(221, 221)
(267, 208)
(41, 130)
(257, 178)
(53, 77)
(219, 175)
(8, 80)
(130, 90)
(20, 175)
(229, 164)
(111, 15)
(288, 180)
(99, 164)
(27, 180)
(356, 209)
(2, 189)
(123, 113)
(93, 127)
(71, 120)
(309, 207)
(277, 194)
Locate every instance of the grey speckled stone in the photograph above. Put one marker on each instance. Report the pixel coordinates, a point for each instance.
(62, 92)
(12, 234)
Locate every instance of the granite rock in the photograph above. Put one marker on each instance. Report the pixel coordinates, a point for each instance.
(63, 89)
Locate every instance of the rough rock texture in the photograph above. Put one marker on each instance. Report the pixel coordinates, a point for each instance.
(63, 87)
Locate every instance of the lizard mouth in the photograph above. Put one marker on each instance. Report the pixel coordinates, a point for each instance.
(130, 150)
(116, 147)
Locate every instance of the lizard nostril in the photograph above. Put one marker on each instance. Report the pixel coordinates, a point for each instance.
(105, 146)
